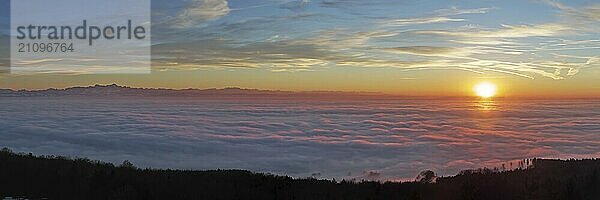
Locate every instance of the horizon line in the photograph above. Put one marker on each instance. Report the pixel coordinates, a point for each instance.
(361, 93)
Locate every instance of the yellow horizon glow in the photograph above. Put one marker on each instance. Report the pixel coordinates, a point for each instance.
(485, 90)
(426, 83)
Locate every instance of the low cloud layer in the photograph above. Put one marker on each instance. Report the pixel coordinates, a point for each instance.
(384, 140)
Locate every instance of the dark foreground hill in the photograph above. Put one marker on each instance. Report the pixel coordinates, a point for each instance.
(34, 177)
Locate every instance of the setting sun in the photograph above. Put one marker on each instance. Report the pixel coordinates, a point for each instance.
(485, 90)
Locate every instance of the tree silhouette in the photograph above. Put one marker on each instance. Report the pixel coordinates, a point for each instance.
(127, 164)
(426, 176)
(54, 177)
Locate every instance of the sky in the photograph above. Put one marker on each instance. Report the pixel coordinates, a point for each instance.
(410, 47)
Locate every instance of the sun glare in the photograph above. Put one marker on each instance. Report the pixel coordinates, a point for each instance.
(485, 90)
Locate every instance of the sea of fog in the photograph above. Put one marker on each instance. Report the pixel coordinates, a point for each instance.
(364, 139)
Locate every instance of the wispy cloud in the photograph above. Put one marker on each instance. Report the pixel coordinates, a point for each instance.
(586, 14)
(438, 16)
(277, 56)
(297, 5)
(421, 20)
(508, 31)
(197, 12)
(431, 51)
(457, 11)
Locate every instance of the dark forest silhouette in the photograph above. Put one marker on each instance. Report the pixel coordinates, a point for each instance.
(35, 177)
